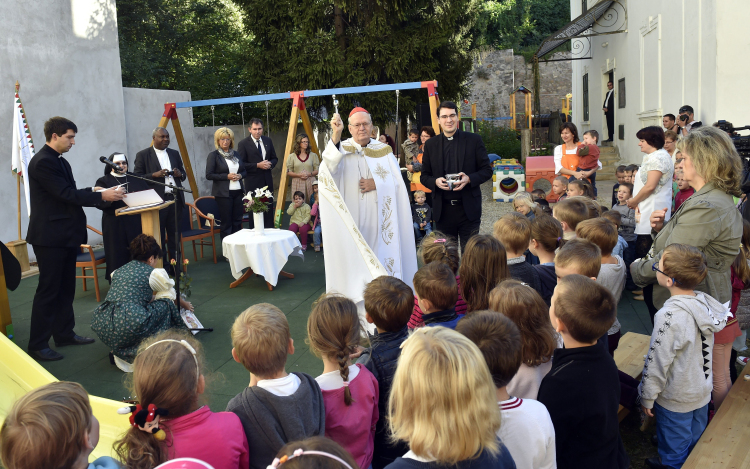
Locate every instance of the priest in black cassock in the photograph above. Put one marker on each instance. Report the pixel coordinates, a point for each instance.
(118, 232)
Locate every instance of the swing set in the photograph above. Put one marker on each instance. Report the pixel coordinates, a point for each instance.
(298, 112)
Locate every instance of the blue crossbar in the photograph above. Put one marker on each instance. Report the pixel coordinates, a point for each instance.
(307, 93)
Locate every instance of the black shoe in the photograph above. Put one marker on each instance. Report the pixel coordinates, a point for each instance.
(45, 355)
(75, 340)
(655, 463)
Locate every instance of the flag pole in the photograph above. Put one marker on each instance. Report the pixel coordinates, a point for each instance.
(18, 184)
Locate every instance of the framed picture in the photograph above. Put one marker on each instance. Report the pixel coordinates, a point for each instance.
(621, 93)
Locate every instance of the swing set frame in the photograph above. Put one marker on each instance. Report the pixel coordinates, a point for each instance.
(298, 112)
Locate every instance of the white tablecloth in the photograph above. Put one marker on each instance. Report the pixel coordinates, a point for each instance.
(266, 254)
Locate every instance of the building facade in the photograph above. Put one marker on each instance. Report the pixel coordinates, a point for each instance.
(669, 53)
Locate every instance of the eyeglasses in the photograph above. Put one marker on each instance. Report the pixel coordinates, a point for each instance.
(452, 116)
(364, 125)
(656, 269)
(122, 163)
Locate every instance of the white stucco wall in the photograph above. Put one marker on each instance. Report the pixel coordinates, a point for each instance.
(143, 111)
(65, 55)
(673, 53)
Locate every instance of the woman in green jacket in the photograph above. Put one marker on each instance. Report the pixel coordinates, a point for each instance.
(708, 220)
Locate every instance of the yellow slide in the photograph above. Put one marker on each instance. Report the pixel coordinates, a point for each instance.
(19, 374)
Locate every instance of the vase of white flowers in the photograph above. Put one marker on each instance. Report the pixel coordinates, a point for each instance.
(257, 202)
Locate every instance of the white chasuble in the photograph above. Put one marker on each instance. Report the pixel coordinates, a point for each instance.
(365, 235)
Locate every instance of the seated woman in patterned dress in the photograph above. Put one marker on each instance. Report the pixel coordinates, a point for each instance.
(131, 313)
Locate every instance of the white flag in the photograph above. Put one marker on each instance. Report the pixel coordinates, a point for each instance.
(23, 146)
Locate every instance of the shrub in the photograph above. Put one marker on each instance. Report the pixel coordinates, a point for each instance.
(504, 142)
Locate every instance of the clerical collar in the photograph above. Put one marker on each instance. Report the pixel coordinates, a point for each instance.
(159, 151)
(117, 175)
(450, 138)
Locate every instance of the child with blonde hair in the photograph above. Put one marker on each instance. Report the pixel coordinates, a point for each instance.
(526, 427)
(524, 204)
(168, 373)
(350, 392)
(525, 307)
(439, 247)
(580, 187)
(443, 404)
(484, 264)
(52, 426)
(277, 407)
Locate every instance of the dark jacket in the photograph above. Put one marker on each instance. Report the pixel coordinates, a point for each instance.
(421, 213)
(484, 461)
(381, 359)
(547, 281)
(526, 273)
(250, 156)
(147, 163)
(582, 394)
(472, 161)
(217, 171)
(57, 218)
(446, 318)
(271, 421)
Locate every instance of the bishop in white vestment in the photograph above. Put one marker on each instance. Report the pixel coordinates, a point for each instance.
(365, 212)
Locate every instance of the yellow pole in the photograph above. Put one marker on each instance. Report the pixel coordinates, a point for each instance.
(513, 111)
(185, 157)
(434, 103)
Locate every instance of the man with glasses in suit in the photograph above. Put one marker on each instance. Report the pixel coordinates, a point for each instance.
(454, 166)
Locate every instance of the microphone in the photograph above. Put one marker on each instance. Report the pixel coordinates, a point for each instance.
(114, 167)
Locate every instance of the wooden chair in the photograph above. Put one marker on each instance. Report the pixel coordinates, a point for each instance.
(208, 205)
(89, 259)
(189, 233)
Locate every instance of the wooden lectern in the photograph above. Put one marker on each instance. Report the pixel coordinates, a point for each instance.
(149, 221)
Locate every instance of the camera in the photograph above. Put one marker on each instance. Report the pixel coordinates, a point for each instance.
(741, 142)
(452, 180)
(684, 117)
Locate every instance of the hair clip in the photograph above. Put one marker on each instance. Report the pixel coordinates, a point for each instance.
(439, 240)
(300, 452)
(346, 384)
(559, 238)
(146, 419)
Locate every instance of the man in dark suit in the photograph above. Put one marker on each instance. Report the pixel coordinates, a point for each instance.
(162, 164)
(57, 228)
(259, 157)
(456, 207)
(609, 110)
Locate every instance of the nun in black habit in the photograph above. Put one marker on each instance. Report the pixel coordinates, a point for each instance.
(118, 232)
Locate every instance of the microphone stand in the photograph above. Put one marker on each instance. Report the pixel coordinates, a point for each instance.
(178, 244)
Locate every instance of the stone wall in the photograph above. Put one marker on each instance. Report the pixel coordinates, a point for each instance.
(497, 73)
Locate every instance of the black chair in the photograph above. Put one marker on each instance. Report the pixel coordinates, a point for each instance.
(189, 233)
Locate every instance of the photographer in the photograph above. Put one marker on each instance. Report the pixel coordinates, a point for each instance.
(685, 121)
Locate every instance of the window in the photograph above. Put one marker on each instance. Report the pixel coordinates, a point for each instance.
(621, 93)
(586, 97)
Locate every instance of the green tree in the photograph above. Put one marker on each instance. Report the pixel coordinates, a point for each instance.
(321, 44)
(519, 24)
(195, 45)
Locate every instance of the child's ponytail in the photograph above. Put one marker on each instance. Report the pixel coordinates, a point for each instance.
(333, 331)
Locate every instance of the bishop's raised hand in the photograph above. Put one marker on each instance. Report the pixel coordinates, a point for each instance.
(337, 128)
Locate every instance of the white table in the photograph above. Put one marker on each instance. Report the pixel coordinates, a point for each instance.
(260, 254)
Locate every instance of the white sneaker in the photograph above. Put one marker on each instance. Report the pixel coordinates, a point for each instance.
(742, 360)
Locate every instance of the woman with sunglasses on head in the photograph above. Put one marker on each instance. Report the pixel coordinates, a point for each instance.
(708, 220)
(118, 232)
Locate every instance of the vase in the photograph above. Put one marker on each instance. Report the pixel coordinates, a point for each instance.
(258, 222)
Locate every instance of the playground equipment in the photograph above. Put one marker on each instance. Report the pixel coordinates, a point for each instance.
(298, 112)
(527, 107)
(567, 106)
(540, 168)
(508, 179)
(19, 374)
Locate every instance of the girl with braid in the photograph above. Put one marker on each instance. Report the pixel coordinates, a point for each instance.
(350, 392)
